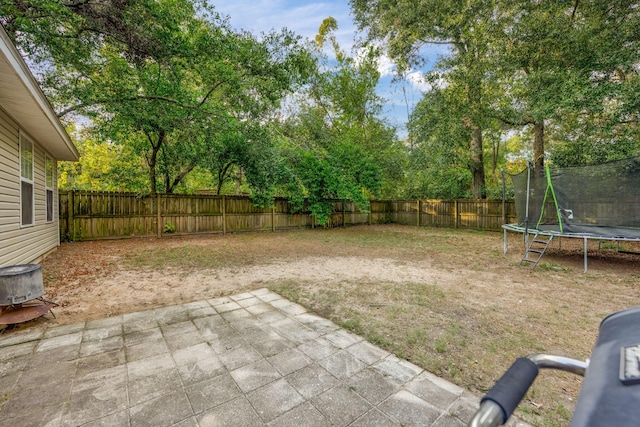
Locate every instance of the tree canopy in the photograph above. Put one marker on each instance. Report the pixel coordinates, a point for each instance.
(561, 73)
(169, 74)
(170, 82)
(167, 89)
(337, 143)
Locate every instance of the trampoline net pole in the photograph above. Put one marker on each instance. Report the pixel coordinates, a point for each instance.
(505, 242)
(526, 213)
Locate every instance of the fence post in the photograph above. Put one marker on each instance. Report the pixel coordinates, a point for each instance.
(159, 214)
(70, 207)
(344, 221)
(419, 211)
(273, 218)
(224, 215)
(455, 214)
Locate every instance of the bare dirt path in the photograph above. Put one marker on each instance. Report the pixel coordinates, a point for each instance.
(96, 279)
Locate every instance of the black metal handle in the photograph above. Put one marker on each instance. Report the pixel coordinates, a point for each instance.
(512, 386)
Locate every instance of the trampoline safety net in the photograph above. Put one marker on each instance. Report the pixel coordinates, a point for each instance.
(600, 200)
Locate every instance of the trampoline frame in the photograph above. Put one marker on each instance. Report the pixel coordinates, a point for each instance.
(584, 236)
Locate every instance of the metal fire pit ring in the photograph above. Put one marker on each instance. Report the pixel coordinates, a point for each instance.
(20, 283)
(21, 290)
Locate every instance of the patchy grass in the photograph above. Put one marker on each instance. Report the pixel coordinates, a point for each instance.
(437, 330)
(187, 256)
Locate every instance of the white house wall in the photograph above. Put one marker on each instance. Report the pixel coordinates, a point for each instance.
(21, 245)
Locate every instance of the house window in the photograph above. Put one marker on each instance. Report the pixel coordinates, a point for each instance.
(26, 181)
(49, 171)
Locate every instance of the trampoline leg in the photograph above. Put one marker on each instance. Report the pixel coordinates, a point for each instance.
(585, 254)
(505, 242)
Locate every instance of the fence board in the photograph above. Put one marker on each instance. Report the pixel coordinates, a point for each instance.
(96, 215)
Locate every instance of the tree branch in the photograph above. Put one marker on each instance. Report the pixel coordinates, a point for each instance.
(440, 42)
(511, 122)
(136, 98)
(180, 177)
(216, 86)
(575, 8)
(71, 109)
(222, 176)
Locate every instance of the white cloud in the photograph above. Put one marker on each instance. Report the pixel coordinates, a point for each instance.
(386, 66)
(415, 78)
(417, 81)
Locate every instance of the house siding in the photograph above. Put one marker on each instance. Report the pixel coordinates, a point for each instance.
(21, 245)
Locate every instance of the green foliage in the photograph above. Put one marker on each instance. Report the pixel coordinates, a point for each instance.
(342, 172)
(439, 183)
(404, 27)
(436, 167)
(170, 75)
(577, 143)
(103, 166)
(249, 154)
(169, 227)
(336, 145)
(563, 75)
(177, 101)
(555, 64)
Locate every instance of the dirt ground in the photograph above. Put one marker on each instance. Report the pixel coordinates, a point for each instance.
(448, 300)
(95, 279)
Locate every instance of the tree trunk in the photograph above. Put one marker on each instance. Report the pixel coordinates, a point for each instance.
(178, 179)
(495, 152)
(538, 144)
(167, 184)
(222, 176)
(476, 156)
(476, 165)
(219, 189)
(152, 160)
(152, 174)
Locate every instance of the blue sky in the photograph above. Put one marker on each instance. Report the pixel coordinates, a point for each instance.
(304, 18)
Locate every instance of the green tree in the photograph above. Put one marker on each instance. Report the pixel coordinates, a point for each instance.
(171, 73)
(337, 145)
(553, 61)
(405, 27)
(327, 165)
(104, 165)
(249, 153)
(538, 65)
(438, 154)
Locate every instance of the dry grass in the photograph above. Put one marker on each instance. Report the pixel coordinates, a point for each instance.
(469, 325)
(466, 312)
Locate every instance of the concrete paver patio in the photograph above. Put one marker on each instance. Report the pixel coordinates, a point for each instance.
(253, 359)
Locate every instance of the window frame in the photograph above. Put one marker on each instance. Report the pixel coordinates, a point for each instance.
(49, 187)
(23, 139)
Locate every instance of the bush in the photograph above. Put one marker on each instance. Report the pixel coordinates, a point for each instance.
(169, 227)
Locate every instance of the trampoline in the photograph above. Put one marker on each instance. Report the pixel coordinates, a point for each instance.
(599, 202)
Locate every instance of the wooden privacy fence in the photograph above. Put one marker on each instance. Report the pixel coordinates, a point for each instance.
(102, 215)
(460, 213)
